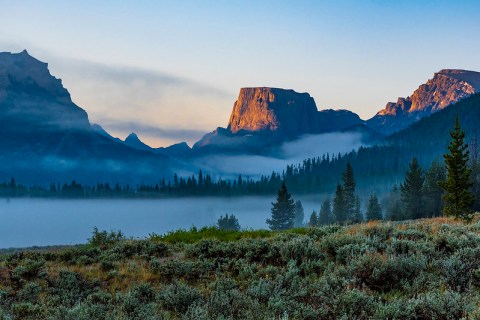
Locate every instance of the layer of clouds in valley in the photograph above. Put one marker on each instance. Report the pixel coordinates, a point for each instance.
(291, 152)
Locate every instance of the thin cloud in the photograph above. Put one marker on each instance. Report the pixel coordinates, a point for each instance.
(125, 75)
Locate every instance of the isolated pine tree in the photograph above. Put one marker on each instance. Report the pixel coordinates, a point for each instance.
(374, 211)
(283, 210)
(458, 199)
(313, 219)
(349, 192)
(325, 216)
(339, 205)
(299, 214)
(412, 191)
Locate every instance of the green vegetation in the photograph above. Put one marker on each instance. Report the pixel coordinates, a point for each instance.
(374, 211)
(421, 269)
(283, 211)
(228, 223)
(458, 198)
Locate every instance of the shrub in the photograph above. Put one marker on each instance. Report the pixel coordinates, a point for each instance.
(29, 293)
(228, 223)
(178, 297)
(26, 310)
(104, 239)
(28, 270)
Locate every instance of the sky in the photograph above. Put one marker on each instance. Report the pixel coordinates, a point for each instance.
(171, 70)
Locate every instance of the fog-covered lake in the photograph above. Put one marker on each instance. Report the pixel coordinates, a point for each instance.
(40, 222)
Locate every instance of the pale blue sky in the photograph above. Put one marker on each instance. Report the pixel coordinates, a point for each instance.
(178, 65)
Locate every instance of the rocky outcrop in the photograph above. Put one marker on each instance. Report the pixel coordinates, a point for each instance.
(273, 109)
(263, 117)
(446, 87)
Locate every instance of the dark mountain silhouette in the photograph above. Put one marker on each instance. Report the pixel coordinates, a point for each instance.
(46, 137)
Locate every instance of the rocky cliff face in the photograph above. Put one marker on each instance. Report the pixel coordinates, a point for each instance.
(273, 109)
(263, 117)
(446, 87)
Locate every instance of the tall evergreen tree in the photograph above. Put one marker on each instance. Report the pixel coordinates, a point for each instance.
(357, 213)
(349, 192)
(412, 191)
(283, 210)
(313, 219)
(339, 205)
(374, 211)
(458, 199)
(325, 216)
(394, 205)
(299, 214)
(434, 178)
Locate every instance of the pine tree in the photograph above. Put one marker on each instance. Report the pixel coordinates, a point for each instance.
(349, 192)
(283, 210)
(339, 205)
(374, 211)
(325, 216)
(412, 191)
(434, 178)
(357, 213)
(458, 199)
(394, 205)
(313, 219)
(299, 214)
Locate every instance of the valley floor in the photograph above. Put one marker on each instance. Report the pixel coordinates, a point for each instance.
(380, 270)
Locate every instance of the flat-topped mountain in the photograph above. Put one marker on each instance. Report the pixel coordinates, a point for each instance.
(446, 87)
(273, 109)
(285, 112)
(264, 116)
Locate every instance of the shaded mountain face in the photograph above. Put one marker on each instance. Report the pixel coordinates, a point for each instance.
(33, 102)
(446, 87)
(263, 117)
(45, 137)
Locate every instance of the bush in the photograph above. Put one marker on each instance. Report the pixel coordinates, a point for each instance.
(228, 223)
(104, 239)
(178, 297)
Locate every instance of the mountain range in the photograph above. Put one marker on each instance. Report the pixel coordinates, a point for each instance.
(45, 136)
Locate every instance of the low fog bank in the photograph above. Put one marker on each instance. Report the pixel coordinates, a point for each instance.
(254, 166)
(42, 222)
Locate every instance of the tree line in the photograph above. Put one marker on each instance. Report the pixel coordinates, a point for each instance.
(447, 190)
